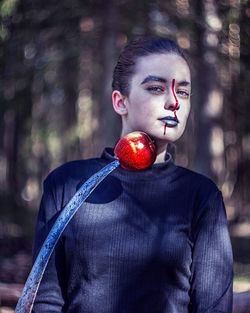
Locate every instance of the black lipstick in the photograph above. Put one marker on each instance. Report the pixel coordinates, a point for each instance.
(170, 121)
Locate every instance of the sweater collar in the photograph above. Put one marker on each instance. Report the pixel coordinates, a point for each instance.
(157, 169)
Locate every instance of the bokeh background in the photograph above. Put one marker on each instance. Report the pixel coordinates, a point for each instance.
(56, 63)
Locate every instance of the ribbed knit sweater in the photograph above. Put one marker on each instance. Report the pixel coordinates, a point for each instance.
(152, 241)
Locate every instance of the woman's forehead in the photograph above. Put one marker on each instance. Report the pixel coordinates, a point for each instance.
(163, 65)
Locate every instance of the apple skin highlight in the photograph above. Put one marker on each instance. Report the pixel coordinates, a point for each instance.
(135, 151)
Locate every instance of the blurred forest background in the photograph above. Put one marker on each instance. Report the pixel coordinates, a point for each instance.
(56, 63)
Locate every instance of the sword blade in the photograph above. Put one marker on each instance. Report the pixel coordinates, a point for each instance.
(26, 301)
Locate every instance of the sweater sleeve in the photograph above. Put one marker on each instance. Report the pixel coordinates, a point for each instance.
(212, 265)
(50, 293)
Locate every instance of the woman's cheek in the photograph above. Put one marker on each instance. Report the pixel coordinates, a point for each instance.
(186, 108)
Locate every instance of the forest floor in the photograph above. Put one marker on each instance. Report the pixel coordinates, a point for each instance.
(15, 263)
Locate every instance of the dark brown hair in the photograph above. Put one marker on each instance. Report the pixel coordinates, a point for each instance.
(125, 66)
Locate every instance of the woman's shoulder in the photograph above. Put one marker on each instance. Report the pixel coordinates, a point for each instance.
(200, 183)
(205, 196)
(75, 170)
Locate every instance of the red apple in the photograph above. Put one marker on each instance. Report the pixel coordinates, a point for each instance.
(135, 151)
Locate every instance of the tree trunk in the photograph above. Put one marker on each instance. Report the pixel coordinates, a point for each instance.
(207, 93)
(108, 130)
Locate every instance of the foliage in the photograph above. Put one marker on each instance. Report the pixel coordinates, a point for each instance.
(56, 62)
(55, 85)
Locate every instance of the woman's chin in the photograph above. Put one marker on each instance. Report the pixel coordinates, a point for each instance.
(173, 134)
(161, 136)
(170, 135)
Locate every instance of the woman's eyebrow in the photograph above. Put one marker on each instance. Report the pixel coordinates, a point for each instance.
(184, 83)
(153, 78)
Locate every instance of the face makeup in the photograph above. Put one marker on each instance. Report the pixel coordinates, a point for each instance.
(158, 78)
(171, 121)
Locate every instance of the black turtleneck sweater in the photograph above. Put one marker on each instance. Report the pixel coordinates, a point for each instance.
(152, 241)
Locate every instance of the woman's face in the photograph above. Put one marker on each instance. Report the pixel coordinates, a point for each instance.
(159, 88)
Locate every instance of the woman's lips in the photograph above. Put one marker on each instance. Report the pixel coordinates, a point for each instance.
(170, 121)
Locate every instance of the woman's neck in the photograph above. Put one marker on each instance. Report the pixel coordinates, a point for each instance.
(161, 152)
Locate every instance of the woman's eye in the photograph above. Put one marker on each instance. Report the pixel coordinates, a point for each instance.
(156, 89)
(183, 93)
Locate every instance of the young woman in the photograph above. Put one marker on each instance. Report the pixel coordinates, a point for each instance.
(151, 241)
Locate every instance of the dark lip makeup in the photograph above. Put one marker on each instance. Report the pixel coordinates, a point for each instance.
(170, 121)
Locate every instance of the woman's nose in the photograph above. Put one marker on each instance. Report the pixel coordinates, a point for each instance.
(171, 103)
(169, 106)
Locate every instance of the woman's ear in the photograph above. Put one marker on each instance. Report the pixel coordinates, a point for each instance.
(118, 101)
